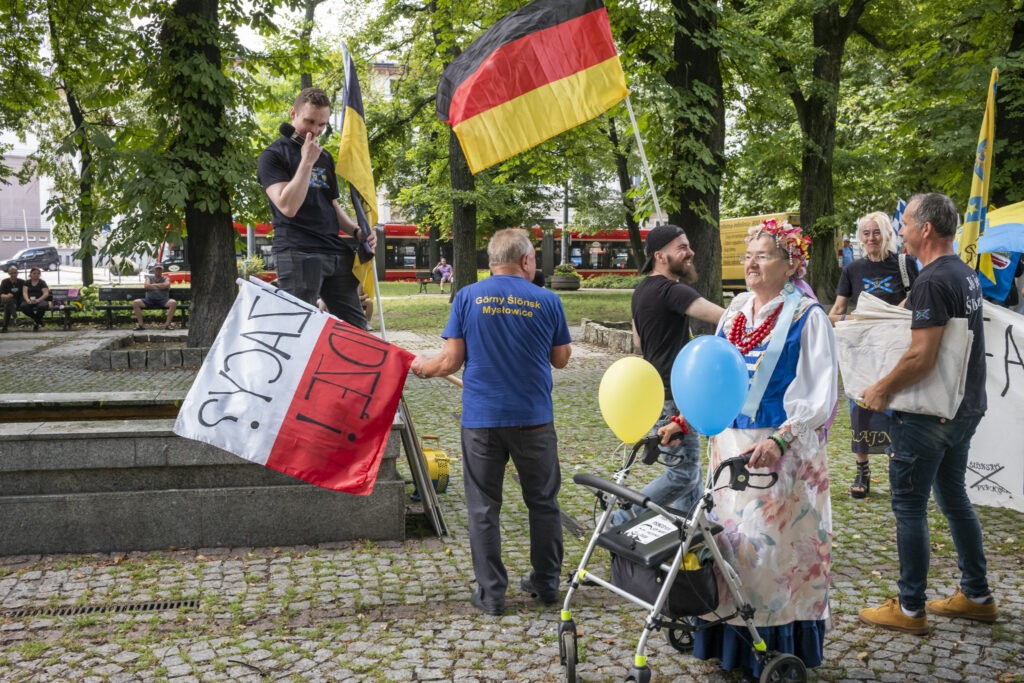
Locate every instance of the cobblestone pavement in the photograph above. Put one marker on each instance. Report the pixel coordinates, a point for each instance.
(399, 611)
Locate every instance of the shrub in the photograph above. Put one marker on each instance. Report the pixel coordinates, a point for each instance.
(250, 266)
(613, 281)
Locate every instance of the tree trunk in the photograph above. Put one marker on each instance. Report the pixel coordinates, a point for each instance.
(86, 212)
(1008, 163)
(817, 114)
(85, 199)
(819, 140)
(463, 216)
(305, 40)
(636, 244)
(433, 248)
(697, 69)
(210, 231)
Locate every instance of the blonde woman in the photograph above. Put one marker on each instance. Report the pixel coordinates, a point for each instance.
(881, 274)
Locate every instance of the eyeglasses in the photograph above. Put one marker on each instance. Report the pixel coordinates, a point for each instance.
(761, 257)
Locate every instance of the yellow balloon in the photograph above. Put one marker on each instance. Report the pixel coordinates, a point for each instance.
(631, 396)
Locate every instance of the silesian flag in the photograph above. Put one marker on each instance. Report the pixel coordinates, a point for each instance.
(354, 166)
(538, 72)
(968, 233)
(290, 387)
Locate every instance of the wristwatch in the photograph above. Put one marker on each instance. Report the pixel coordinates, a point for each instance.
(786, 436)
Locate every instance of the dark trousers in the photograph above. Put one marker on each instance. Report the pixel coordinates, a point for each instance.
(308, 275)
(534, 452)
(10, 309)
(35, 311)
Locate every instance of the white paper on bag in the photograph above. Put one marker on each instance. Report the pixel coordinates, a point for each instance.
(870, 343)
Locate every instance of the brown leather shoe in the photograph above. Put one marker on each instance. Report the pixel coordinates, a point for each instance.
(961, 606)
(890, 616)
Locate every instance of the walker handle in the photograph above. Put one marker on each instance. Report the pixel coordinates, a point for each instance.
(589, 480)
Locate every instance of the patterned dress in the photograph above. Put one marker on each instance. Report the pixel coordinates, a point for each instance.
(779, 540)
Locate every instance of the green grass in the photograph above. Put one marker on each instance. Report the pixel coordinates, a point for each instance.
(406, 309)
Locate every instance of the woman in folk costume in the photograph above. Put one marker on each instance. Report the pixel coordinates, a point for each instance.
(779, 539)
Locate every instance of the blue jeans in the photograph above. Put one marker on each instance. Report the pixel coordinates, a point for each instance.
(680, 485)
(929, 453)
(308, 275)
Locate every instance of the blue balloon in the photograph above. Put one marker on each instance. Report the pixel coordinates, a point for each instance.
(709, 383)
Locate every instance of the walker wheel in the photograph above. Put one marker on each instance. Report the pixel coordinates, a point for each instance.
(784, 668)
(681, 639)
(639, 675)
(567, 650)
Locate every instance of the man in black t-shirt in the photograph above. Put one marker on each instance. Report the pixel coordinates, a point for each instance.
(930, 452)
(662, 306)
(10, 295)
(312, 259)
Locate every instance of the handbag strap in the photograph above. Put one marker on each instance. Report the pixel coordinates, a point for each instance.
(902, 258)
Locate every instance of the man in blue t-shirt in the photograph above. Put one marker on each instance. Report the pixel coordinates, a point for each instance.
(312, 259)
(930, 453)
(508, 333)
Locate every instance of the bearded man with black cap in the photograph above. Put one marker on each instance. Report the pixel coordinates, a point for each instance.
(663, 304)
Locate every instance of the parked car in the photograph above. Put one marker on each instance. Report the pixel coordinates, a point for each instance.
(45, 258)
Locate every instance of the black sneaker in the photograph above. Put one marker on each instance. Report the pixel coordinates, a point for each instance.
(545, 597)
(491, 610)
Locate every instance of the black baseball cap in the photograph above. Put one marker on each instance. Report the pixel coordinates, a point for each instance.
(658, 239)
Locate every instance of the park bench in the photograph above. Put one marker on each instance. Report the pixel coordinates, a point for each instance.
(113, 299)
(424, 278)
(64, 302)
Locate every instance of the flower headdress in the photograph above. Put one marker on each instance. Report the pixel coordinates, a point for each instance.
(788, 238)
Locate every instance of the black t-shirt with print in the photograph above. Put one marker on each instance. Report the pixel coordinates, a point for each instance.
(315, 226)
(9, 287)
(878, 278)
(659, 313)
(945, 289)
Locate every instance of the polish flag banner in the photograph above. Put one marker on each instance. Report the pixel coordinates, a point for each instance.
(293, 388)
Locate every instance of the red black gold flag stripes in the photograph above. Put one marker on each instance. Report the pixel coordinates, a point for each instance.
(538, 72)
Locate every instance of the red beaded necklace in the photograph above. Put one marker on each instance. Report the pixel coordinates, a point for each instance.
(745, 341)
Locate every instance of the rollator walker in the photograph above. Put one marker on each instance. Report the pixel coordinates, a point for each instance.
(665, 562)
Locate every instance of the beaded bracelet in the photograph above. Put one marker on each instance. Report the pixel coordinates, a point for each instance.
(675, 419)
(783, 446)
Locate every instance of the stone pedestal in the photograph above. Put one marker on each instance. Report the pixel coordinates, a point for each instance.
(120, 485)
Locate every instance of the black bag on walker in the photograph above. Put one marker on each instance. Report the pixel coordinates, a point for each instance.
(638, 549)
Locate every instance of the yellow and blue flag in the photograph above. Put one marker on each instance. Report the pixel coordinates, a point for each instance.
(1003, 238)
(967, 234)
(354, 166)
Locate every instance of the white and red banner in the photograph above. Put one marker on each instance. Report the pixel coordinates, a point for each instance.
(295, 389)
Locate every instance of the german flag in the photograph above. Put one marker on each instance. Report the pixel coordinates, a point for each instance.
(537, 72)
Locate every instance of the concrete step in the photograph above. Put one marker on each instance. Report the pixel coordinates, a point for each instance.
(118, 485)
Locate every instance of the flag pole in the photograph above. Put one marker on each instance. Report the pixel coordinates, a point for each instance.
(376, 294)
(643, 161)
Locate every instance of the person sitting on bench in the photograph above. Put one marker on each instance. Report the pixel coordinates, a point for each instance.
(157, 296)
(445, 271)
